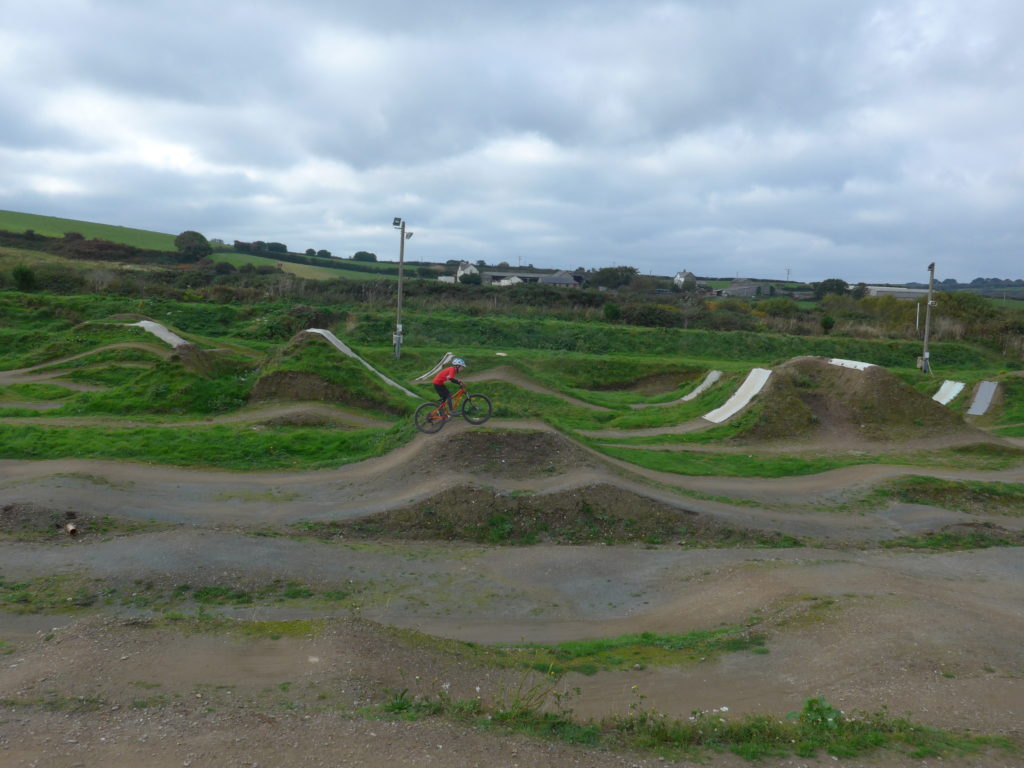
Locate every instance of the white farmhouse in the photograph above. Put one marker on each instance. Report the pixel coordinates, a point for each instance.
(465, 268)
(682, 277)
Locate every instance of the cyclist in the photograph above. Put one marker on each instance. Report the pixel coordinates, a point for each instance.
(446, 375)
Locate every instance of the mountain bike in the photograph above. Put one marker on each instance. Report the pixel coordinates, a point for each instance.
(431, 417)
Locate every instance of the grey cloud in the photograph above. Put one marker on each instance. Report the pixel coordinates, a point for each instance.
(726, 136)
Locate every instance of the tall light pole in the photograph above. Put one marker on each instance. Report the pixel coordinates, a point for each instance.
(926, 365)
(399, 224)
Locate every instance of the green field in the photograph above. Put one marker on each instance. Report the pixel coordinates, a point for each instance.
(300, 270)
(51, 226)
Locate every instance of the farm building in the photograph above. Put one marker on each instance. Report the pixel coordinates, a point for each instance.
(897, 292)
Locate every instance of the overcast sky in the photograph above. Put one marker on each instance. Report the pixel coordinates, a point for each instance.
(858, 139)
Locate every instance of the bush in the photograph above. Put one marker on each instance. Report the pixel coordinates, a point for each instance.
(24, 278)
(779, 307)
(653, 315)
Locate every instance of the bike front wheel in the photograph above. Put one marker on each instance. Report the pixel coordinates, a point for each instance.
(428, 418)
(476, 409)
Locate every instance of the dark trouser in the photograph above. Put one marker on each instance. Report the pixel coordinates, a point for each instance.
(444, 393)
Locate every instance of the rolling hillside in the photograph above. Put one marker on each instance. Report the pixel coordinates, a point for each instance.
(51, 226)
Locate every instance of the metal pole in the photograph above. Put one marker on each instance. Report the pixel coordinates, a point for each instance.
(401, 267)
(926, 365)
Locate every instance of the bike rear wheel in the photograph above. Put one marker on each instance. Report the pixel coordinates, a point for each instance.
(476, 409)
(428, 418)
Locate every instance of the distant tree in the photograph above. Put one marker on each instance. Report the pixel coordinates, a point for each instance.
(778, 307)
(310, 252)
(471, 278)
(613, 277)
(192, 245)
(503, 265)
(827, 323)
(74, 236)
(323, 253)
(832, 285)
(224, 268)
(277, 247)
(964, 305)
(30, 234)
(364, 256)
(612, 312)
(949, 281)
(241, 247)
(481, 263)
(859, 291)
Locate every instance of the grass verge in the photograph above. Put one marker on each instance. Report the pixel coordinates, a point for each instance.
(818, 727)
(221, 446)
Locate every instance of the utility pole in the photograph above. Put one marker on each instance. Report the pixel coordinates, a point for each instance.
(926, 364)
(396, 338)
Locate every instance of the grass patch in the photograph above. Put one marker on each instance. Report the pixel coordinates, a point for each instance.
(972, 497)
(540, 709)
(34, 392)
(69, 593)
(977, 537)
(49, 594)
(980, 456)
(224, 446)
(1013, 401)
(635, 651)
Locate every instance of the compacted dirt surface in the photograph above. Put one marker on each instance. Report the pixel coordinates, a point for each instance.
(204, 618)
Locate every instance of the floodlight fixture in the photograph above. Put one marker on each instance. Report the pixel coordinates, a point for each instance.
(403, 235)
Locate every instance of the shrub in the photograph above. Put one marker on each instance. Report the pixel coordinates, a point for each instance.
(24, 278)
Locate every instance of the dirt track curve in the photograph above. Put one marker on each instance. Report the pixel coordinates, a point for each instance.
(932, 634)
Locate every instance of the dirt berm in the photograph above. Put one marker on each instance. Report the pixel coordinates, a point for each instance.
(807, 398)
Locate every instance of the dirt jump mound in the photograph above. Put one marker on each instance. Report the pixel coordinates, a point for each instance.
(309, 369)
(599, 513)
(808, 398)
(506, 455)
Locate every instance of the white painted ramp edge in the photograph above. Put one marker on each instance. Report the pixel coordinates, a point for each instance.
(983, 398)
(437, 368)
(948, 391)
(850, 363)
(161, 332)
(344, 349)
(753, 384)
(709, 380)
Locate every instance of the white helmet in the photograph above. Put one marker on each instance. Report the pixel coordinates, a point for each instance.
(459, 362)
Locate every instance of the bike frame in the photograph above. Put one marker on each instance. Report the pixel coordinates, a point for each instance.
(456, 400)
